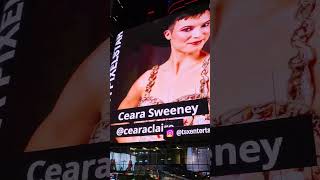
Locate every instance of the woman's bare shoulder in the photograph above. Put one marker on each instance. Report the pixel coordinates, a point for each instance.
(96, 64)
(136, 92)
(143, 80)
(94, 69)
(79, 105)
(87, 86)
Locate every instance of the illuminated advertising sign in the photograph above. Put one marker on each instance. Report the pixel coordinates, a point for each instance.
(53, 106)
(160, 74)
(265, 101)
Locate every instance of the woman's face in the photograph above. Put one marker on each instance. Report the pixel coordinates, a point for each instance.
(190, 34)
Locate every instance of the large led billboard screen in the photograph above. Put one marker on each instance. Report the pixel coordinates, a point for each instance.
(160, 76)
(53, 106)
(266, 89)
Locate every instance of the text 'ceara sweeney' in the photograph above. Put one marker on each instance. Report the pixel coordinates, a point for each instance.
(88, 169)
(159, 113)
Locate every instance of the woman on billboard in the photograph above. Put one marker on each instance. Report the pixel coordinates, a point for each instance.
(80, 113)
(187, 35)
(185, 75)
(271, 51)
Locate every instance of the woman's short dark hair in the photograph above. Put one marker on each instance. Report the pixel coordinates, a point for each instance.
(185, 11)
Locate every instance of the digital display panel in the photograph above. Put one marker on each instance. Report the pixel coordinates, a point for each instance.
(160, 77)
